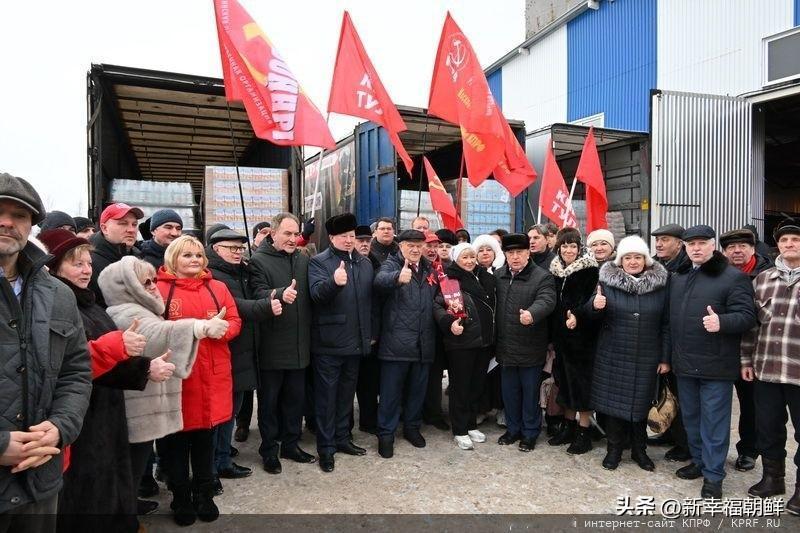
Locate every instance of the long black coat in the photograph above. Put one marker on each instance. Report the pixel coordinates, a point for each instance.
(633, 340)
(103, 254)
(342, 315)
(697, 353)
(252, 311)
(478, 290)
(408, 331)
(285, 339)
(531, 289)
(99, 481)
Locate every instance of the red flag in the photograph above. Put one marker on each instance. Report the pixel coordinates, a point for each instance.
(460, 94)
(254, 72)
(440, 200)
(553, 196)
(357, 90)
(514, 172)
(590, 173)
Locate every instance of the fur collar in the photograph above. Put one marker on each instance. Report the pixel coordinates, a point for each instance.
(558, 269)
(713, 267)
(652, 278)
(120, 285)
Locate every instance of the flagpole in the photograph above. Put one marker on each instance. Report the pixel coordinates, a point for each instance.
(569, 200)
(424, 141)
(458, 185)
(319, 173)
(539, 214)
(238, 177)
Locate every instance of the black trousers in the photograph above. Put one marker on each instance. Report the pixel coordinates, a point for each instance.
(280, 409)
(676, 430)
(245, 414)
(178, 450)
(369, 381)
(140, 458)
(619, 432)
(34, 517)
(747, 418)
(309, 410)
(334, 390)
(432, 408)
(467, 373)
(771, 401)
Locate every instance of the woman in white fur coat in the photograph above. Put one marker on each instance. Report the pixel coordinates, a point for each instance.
(129, 289)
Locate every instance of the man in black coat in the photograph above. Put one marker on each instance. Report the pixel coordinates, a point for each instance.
(118, 229)
(739, 247)
(384, 244)
(407, 342)
(340, 283)
(541, 255)
(165, 226)
(526, 296)
(711, 306)
(280, 271)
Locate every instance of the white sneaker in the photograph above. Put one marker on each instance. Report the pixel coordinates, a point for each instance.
(476, 436)
(464, 442)
(501, 418)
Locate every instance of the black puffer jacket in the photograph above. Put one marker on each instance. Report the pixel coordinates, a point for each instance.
(543, 259)
(696, 352)
(252, 311)
(153, 253)
(633, 340)
(285, 339)
(408, 331)
(478, 289)
(342, 315)
(575, 284)
(103, 254)
(531, 289)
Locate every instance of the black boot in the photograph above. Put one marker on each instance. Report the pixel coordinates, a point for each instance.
(639, 446)
(203, 500)
(565, 435)
(640, 457)
(612, 458)
(773, 479)
(582, 442)
(793, 505)
(182, 509)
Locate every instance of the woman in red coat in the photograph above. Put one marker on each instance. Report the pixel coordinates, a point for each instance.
(189, 291)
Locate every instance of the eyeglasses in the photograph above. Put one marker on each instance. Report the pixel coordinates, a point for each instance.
(149, 282)
(233, 249)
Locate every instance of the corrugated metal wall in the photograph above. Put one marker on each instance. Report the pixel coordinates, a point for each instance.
(758, 161)
(535, 84)
(495, 80)
(714, 46)
(612, 63)
(701, 161)
(797, 12)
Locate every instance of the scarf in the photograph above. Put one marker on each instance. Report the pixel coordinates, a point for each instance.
(748, 267)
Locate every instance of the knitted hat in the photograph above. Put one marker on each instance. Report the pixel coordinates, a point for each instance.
(56, 219)
(59, 242)
(633, 245)
(458, 249)
(162, 216)
(258, 227)
(447, 236)
(82, 223)
(600, 235)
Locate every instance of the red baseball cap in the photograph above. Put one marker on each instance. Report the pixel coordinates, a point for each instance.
(431, 237)
(119, 210)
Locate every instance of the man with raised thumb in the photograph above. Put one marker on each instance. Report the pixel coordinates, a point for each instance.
(711, 306)
(340, 284)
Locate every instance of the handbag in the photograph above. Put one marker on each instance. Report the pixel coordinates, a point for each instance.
(664, 409)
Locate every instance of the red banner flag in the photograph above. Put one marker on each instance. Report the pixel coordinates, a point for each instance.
(440, 200)
(590, 173)
(357, 90)
(514, 172)
(254, 72)
(460, 94)
(553, 196)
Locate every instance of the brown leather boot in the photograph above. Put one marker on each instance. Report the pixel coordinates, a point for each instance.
(772, 480)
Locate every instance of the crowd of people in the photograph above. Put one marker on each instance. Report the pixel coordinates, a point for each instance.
(126, 359)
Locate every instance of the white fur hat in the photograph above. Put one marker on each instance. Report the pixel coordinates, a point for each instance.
(488, 240)
(633, 245)
(600, 235)
(456, 250)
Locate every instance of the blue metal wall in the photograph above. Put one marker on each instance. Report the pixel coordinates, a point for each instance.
(376, 168)
(612, 63)
(495, 80)
(797, 12)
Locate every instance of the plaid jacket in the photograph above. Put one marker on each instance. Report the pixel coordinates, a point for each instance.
(772, 348)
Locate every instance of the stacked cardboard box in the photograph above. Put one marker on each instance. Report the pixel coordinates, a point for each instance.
(265, 191)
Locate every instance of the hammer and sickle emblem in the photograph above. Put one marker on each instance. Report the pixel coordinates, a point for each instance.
(456, 58)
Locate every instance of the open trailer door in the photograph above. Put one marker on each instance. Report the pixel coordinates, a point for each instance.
(702, 161)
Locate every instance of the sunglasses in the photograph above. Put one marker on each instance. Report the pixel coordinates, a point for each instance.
(149, 282)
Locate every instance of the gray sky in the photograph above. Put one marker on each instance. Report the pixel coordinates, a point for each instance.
(48, 46)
